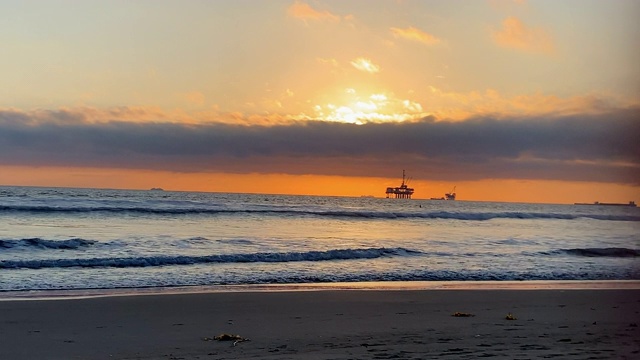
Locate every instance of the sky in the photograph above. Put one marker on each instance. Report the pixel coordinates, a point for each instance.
(507, 100)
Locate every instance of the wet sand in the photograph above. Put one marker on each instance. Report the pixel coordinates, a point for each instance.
(328, 324)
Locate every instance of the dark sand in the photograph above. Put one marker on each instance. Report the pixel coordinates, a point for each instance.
(329, 324)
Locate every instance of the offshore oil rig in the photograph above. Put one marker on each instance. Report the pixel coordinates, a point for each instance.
(448, 196)
(401, 192)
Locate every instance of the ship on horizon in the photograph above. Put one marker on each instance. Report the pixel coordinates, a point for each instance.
(597, 203)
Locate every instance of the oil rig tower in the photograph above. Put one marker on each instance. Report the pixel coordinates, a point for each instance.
(401, 192)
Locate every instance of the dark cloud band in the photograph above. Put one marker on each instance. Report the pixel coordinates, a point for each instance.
(602, 147)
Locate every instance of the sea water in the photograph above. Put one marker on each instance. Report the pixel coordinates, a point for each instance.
(61, 238)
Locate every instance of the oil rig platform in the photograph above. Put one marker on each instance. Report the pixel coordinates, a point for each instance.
(448, 196)
(401, 192)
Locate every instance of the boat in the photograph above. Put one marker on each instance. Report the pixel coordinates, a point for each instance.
(156, 189)
(597, 203)
(401, 192)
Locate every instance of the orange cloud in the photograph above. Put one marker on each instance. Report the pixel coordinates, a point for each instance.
(515, 34)
(463, 105)
(414, 34)
(144, 114)
(304, 11)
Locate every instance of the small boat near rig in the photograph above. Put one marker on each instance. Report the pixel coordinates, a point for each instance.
(401, 192)
(597, 203)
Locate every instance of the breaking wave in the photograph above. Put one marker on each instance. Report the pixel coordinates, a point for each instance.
(603, 252)
(337, 254)
(69, 244)
(471, 216)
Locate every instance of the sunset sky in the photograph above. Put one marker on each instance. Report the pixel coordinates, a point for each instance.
(532, 101)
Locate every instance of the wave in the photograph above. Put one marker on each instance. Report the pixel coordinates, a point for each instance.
(69, 244)
(324, 278)
(336, 254)
(603, 252)
(235, 241)
(445, 215)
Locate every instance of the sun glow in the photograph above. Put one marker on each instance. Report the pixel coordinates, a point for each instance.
(375, 107)
(365, 65)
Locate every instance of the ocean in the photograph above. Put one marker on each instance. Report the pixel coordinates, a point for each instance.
(75, 239)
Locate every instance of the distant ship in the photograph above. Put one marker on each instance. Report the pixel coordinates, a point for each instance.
(401, 192)
(630, 203)
(156, 189)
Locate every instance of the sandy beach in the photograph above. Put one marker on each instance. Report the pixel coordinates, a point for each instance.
(328, 324)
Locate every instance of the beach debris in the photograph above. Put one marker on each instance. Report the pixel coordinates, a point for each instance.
(462, 314)
(227, 337)
(510, 317)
